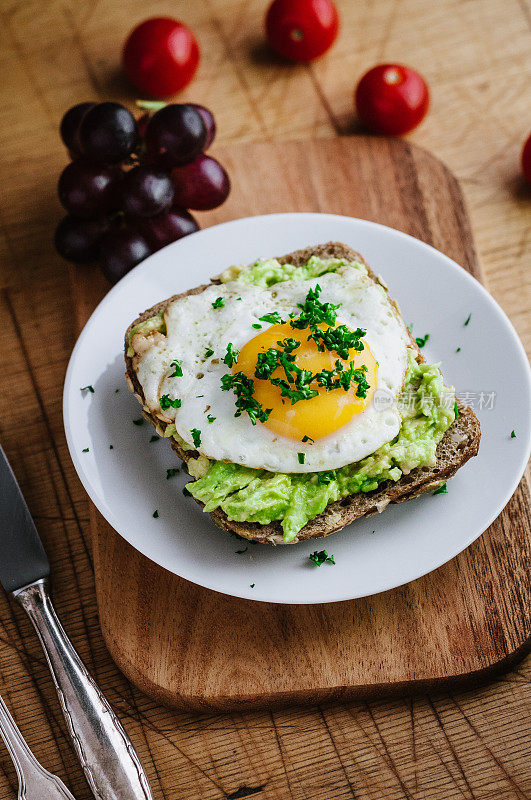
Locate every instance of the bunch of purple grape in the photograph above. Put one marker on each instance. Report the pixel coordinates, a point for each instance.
(130, 182)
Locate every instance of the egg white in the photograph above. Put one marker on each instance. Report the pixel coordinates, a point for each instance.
(193, 325)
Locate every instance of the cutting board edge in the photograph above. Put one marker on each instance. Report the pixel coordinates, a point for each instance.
(421, 686)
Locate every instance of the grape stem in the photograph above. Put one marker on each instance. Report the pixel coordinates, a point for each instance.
(150, 105)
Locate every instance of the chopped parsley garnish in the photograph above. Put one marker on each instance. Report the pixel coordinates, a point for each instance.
(458, 350)
(85, 450)
(209, 352)
(307, 439)
(243, 388)
(467, 320)
(441, 490)
(177, 369)
(154, 438)
(421, 340)
(301, 457)
(87, 389)
(231, 356)
(196, 436)
(111, 447)
(116, 391)
(251, 585)
(139, 421)
(186, 492)
(273, 317)
(326, 477)
(210, 419)
(257, 326)
(219, 302)
(171, 472)
(155, 514)
(513, 435)
(320, 556)
(240, 552)
(166, 402)
(456, 410)
(313, 312)
(338, 340)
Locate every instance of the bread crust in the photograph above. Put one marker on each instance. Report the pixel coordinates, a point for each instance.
(458, 445)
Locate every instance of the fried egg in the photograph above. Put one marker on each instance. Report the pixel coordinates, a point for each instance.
(333, 428)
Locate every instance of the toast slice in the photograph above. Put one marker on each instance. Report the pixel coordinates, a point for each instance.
(459, 443)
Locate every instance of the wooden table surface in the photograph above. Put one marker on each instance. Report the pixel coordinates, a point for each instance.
(477, 58)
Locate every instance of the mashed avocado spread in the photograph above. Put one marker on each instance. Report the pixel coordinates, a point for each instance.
(253, 495)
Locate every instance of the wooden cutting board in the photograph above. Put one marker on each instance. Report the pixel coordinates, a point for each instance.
(187, 646)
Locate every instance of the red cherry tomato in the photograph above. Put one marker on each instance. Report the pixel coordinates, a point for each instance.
(160, 56)
(526, 159)
(302, 30)
(392, 99)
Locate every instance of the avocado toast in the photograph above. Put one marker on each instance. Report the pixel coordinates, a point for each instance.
(321, 502)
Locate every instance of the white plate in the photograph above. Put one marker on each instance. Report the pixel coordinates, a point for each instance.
(128, 483)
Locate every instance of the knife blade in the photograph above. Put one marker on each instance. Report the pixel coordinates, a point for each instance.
(22, 556)
(111, 766)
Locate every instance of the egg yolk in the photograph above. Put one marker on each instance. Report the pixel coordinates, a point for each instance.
(317, 416)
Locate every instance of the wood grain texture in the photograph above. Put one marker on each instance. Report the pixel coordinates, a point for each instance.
(186, 646)
(472, 744)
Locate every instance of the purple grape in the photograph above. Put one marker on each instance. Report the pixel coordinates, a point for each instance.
(210, 123)
(69, 127)
(146, 191)
(79, 240)
(168, 227)
(201, 185)
(175, 135)
(108, 133)
(121, 250)
(89, 190)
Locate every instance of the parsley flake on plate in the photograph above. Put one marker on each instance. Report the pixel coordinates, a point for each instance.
(320, 556)
(513, 435)
(301, 457)
(210, 419)
(441, 490)
(166, 402)
(177, 369)
(421, 340)
(219, 302)
(88, 388)
(257, 326)
(196, 436)
(209, 352)
(155, 514)
(251, 585)
(111, 447)
(85, 450)
(458, 350)
(171, 472)
(467, 320)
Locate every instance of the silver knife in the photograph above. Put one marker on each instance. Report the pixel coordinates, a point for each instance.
(110, 763)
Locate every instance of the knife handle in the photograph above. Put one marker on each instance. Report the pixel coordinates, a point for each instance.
(110, 763)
